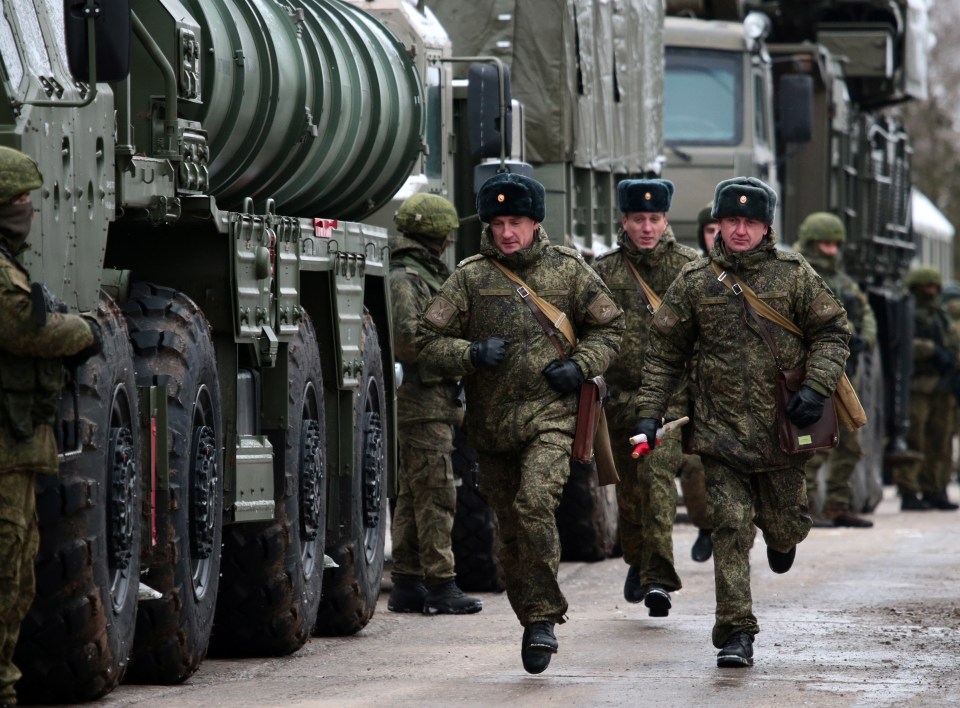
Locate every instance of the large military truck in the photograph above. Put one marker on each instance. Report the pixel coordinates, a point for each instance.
(224, 461)
(800, 93)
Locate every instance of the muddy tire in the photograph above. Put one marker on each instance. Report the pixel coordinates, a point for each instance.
(272, 571)
(171, 339)
(77, 635)
(587, 517)
(350, 591)
(476, 534)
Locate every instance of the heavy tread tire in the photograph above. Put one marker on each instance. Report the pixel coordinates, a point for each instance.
(350, 591)
(270, 573)
(587, 517)
(172, 338)
(476, 533)
(76, 638)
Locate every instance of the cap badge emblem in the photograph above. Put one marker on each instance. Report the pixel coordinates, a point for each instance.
(647, 196)
(743, 198)
(500, 197)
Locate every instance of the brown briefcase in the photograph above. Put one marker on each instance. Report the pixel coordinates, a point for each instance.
(818, 436)
(591, 437)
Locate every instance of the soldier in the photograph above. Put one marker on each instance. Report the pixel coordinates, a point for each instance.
(707, 228)
(522, 384)
(821, 236)
(750, 480)
(934, 382)
(32, 350)
(427, 407)
(648, 256)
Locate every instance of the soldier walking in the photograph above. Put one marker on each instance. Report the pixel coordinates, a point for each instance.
(34, 346)
(705, 315)
(638, 273)
(427, 407)
(820, 238)
(522, 380)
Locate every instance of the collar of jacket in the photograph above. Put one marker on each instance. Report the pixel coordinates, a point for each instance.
(518, 259)
(403, 244)
(821, 262)
(647, 257)
(746, 261)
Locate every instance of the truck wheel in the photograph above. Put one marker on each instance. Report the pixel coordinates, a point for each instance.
(271, 572)
(350, 592)
(587, 517)
(75, 641)
(476, 534)
(171, 338)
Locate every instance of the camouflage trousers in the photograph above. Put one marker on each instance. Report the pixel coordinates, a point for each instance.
(776, 502)
(842, 461)
(19, 541)
(693, 485)
(524, 489)
(423, 517)
(647, 502)
(930, 433)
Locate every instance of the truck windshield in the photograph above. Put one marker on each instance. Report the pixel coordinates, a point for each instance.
(703, 102)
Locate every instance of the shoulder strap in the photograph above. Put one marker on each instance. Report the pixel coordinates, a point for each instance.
(649, 297)
(409, 261)
(549, 317)
(762, 308)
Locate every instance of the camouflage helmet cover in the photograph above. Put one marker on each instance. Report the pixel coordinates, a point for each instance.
(427, 214)
(924, 275)
(18, 174)
(822, 226)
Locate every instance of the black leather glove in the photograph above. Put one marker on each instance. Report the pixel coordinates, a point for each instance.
(805, 407)
(944, 360)
(857, 345)
(90, 350)
(648, 427)
(488, 353)
(564, 375)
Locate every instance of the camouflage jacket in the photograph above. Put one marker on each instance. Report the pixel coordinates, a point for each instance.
(31, 374)
(734, 410)
(416, 275)
(511, 404)
(859, 313)
(931, 328)
(658, 267)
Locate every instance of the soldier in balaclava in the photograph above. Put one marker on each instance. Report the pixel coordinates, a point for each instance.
(33, 348)
(427, 409)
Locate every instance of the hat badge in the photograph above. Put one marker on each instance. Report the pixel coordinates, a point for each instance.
(647, 196)
(500, 197)
(743, 198)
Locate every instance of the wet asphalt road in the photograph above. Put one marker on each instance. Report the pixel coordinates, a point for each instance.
(865, 618)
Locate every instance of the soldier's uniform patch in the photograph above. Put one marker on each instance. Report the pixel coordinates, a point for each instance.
(603, 308)
(665, 318)
(440, 311)
(825, 306)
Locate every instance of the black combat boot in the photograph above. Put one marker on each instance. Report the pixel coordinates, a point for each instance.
(940, 501)
(657, 599)
(539, 643)
(632, 589)
(780, 562)
(911, 502)
(447, 599)
(849, 520)
(737, 652)
(703, 546)
(407, 595)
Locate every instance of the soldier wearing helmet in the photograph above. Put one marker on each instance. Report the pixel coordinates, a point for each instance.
(933, 386)
(820, 238)
(34, 345)
(427, 408)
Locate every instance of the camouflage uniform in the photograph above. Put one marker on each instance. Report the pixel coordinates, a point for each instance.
(647, 492)
(749, 479)
(520, 426)
(932, 388)
(31, 376)
(843, 460)
(427, 407)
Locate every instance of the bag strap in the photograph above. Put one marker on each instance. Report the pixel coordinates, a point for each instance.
(649, 297)
(553, 321)
(762, 308)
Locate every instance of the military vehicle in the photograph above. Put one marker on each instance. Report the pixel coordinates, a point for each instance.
(224, 461)
(798, 93)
